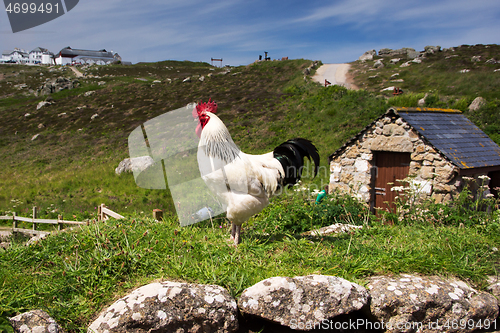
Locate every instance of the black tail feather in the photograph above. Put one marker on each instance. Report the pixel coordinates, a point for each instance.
(291, 155)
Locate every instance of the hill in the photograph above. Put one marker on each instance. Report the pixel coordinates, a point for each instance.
(61, 157)
(82, 136)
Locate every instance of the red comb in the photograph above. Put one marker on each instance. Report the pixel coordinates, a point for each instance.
(209, 106)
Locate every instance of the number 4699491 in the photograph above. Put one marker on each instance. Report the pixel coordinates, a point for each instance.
(32, 8)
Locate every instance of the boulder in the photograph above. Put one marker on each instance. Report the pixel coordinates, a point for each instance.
(35, 321)
(135, 164)
(410, 303)
(378, 64)
(302, 301)
(432, 49)
(477, 103)
(170, 307)
(384, 52)
(42, 104)
(368, 55)
(56, 85)
(475, 59)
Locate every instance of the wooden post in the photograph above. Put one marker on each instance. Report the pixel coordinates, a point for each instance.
(99, 213)
(59, 222)
(158, 214)
(34, 217)
(14, 221)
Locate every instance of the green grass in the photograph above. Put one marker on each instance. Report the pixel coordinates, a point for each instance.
(69, 170)
(74, 274)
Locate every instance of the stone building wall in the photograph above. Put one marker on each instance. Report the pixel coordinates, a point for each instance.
(431, 174)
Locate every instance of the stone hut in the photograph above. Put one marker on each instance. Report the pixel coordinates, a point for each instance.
(428, 152)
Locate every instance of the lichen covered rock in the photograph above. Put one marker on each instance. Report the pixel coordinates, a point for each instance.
(429, 304)
(36, 321)
(302, 299)
(170, 307)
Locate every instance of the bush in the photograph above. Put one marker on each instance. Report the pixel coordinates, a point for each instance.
(467, 209)
(299, 213)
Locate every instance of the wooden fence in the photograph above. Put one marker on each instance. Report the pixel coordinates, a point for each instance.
(103, 214)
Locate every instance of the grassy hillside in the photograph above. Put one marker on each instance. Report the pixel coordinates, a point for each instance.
(452, 78)
(69, 169)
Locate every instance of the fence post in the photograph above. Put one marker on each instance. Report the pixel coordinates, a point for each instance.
(59, 222)
(99, 212)
(14, 221)
(34, 217)
(158, 214)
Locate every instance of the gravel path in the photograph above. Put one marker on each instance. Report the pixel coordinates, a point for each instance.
(335, 74)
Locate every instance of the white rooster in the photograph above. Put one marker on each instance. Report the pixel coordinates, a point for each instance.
(242, 182)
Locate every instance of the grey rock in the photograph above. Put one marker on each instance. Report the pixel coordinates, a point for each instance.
(431, 302)
(432, 49)
(55, 85)
(42, 104)
(476, 59)
(36, 321)
(494, 285)
(306, 299)
(477, 103)
(421, 102)
(368, 55)
(188, 79)
(135, 164)
(384, 52)
(336, 228)
(378, 64)
(170, 307)
(411, 53)
(492, 61)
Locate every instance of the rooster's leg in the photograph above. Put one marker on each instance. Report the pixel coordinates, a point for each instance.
(235, 233)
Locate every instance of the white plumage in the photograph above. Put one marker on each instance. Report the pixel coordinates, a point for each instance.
(243, 183)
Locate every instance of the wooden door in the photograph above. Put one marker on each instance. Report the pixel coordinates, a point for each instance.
(389, 168)
(494, 183)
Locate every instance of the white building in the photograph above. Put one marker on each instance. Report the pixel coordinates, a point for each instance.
(19, 56)
(68, 56)
(41, 55)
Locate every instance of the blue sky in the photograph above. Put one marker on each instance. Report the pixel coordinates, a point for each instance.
(240, 30)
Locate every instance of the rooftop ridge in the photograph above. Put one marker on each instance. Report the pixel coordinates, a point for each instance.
(419, 109)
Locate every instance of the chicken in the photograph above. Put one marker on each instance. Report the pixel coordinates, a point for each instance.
(244, 183)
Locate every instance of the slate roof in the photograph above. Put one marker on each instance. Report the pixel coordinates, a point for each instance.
(450, 132)
(455, 136)
(67, 51)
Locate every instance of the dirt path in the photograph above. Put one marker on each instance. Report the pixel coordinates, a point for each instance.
(335, 74)
(77, 72)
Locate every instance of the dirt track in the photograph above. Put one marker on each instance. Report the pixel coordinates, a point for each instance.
(335, 74)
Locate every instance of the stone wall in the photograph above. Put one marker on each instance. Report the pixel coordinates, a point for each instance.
(430, 174)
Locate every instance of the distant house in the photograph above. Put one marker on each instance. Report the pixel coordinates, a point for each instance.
(19, 56)
(437, 151)
(40, 55)
(69, 56)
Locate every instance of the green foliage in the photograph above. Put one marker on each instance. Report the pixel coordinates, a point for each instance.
(303, 214)
(469, 208)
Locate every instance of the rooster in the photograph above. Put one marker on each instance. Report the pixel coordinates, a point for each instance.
(244, 183)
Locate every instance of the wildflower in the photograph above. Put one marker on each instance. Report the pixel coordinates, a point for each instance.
(484, 177)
